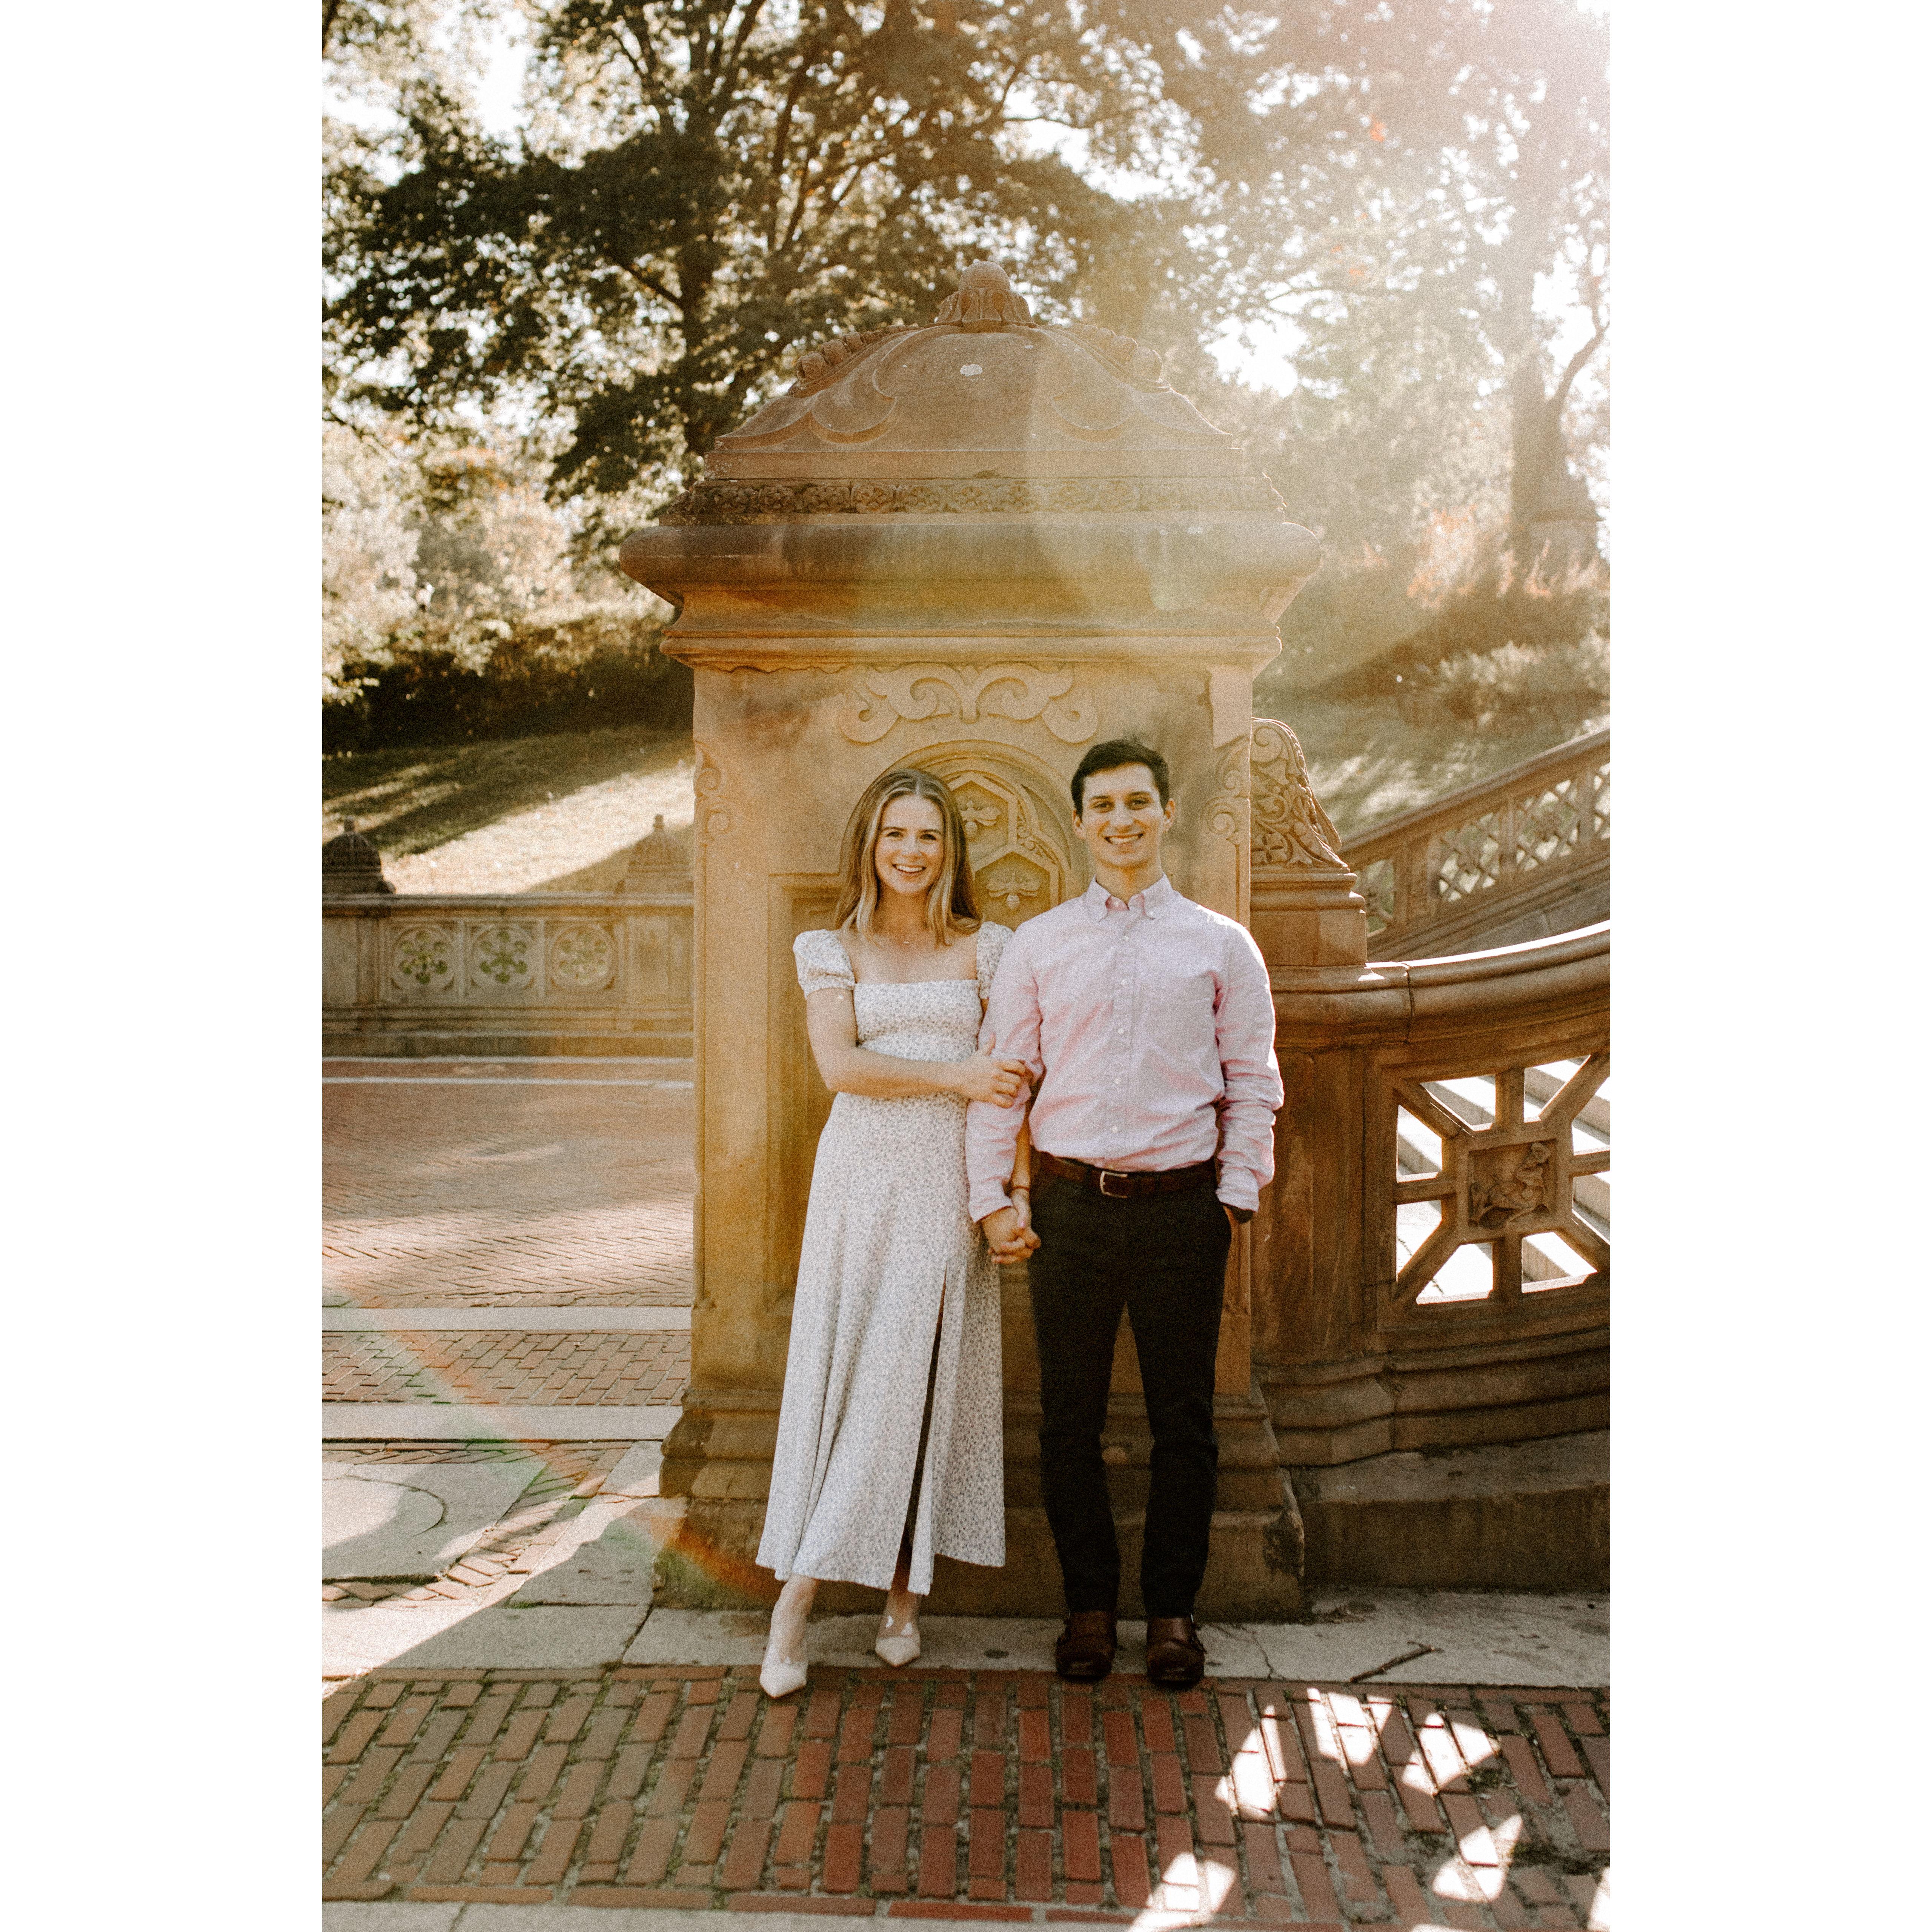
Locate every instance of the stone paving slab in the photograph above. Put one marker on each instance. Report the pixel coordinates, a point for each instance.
(535, 1189)
(576, 1321)
(402, 1917)
(1471, 1636)
(507, 1364)
(999, 1794)
(456, 1422)
(413, 1520)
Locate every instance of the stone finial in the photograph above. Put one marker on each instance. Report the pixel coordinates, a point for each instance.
(1290, 826)
(657, 864)
(984, 301)
(352, 867)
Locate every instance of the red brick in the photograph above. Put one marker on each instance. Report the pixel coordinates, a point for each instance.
(506, 1842)
(693, 1728)
(1525, 1770)
(1583, 1720)
(1499, 1714)
(989, 1719)
(651, 1854)
(855, 1735)
(1076, 1715)
(821, 1717)
(1263, 1860)
(989, 1778)
(721, 1770)
(997, 1915)
(540, 1774)
(896, 1774)
(906, 1718)
(745, 1861)
(1126, 1808)
(487, 1719)
(1295, 1803)
(1385, 1825)
(735, 1725)
(628, 1774)
(853, 1796)
(566, 1720)
(601, 1739)
(1213, 1819)
(798, 1833)
(1084, 1895)
(454, 1850)
(335, 1709)
(1191, 1702)
(1311, 1877)
(653, 1713)
(942, 1794)
(332, 1775)
(419, 1834)
(400, 1798)
(775, 1735)
(1126, 1852)
(938, 1862)
(1592, 1828)
(481, 1895)
(1204, 1748)
(1173, 1842)
(385, 1692)
(457, 1773)
(1036, 1740)
(1077, 1781)
(337, 1826)
(1337, 1807)
(519, 1734)
(1358, 1882)
(762, 1788)
(434, 1739)
(406, 1720)
(376, 1766)
(493, 1781)
(1170, 1791)
(942, 1737)
(1032, 1691)
(672, 1787)
(1597, 1750)
(1034, 1865)
(1157, 1725)
(706, 1831)
(607, 1835)
(1558, 1752)
(1122, 1749)
(774, 1901)
(890, 1825)
(811, 1769)
(1036, 1808)
(1080, 1844)
(353, 1735)
(554, 1854)
(986, 1846)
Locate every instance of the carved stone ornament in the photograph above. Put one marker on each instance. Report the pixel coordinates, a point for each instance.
(499, 956)
(425, 957)
(880, 698)
(583, 957)
(713, 811)
(984, 301)
(1290, 827)
(1015, 844)
(1509, 1188)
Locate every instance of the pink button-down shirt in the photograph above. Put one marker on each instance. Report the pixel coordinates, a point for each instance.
(1149, 1030)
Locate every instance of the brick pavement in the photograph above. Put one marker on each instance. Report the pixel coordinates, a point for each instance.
(994, 1794)
(539, 1195)
(506, 1366)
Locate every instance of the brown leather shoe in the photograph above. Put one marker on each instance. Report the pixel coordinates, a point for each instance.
(1174, 1658)
(1084, 1653)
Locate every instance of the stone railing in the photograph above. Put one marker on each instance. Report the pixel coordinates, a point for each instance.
(1513, 858)
(416, 975)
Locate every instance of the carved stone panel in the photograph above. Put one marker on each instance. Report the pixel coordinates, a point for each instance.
(879, 697)
(1021, 856)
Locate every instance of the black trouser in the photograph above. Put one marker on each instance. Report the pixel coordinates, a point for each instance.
(1163, 1257)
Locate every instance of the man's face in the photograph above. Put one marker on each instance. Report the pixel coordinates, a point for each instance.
(1122, 819)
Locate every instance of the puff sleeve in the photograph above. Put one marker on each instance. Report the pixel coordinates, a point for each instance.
(822, 963)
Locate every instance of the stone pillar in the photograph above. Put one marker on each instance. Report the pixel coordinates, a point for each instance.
(978, 547)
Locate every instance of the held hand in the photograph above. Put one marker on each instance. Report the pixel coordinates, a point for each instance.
(1008, 1238)
(982, 1077)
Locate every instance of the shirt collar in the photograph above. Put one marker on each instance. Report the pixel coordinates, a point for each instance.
(1154, 900)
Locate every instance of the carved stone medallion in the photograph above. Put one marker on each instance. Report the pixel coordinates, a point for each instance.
(879, 698)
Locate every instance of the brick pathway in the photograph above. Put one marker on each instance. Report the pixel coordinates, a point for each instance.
(1001, 1795)
(447, 1195)
(506, 1365)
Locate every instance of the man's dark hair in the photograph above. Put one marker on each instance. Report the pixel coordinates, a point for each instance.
(1110, 757)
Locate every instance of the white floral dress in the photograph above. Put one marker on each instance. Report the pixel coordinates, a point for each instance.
(891, 1259)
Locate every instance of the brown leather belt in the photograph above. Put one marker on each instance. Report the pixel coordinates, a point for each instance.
(1116, 1184)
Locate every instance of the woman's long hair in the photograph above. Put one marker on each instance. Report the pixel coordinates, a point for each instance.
(952, 900)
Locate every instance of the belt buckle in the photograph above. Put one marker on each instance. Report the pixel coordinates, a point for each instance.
(1108, 1174)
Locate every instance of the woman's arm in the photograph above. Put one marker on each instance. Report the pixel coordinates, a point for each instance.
(847, 1067)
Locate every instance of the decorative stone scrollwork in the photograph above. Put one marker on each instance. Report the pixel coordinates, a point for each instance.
(1290, 826)
(424, 957)
(713, 813)
(499, 956)
(1230, 816)
(880, 698)
(583, 957)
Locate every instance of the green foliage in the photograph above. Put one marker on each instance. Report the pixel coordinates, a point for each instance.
(1557, 688)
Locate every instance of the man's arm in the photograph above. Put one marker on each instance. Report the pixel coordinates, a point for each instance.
(1251, 1080)
(1012, 1018)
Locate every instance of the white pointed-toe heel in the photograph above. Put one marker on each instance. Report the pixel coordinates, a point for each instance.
(782, 1672)
(780, 1676)
(897, 1643)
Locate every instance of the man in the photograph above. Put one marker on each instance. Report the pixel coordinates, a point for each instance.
(1146, 1022)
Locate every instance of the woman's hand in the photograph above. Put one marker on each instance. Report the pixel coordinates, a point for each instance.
(982, 1077)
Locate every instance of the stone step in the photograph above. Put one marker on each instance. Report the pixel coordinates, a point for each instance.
(496, 1422)
(522, 1321)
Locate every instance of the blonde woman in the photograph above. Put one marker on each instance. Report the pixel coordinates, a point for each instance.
(890, 1442)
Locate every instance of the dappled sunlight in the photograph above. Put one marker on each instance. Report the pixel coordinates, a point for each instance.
(1475, 1876)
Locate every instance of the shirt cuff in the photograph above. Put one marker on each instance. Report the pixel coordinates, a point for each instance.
(988, 1198)
(1237, 1190)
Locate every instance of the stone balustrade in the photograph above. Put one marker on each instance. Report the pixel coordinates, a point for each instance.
(1512, 858)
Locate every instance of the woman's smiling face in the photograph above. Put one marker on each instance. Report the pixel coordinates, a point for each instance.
(910, 852)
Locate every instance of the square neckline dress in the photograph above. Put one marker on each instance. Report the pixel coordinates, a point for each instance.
(894, 1282)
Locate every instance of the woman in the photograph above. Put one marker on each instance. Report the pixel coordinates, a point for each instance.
(889, 1445)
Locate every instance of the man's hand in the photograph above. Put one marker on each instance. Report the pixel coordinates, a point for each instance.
(1010, 1239)
(1237, 1217)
